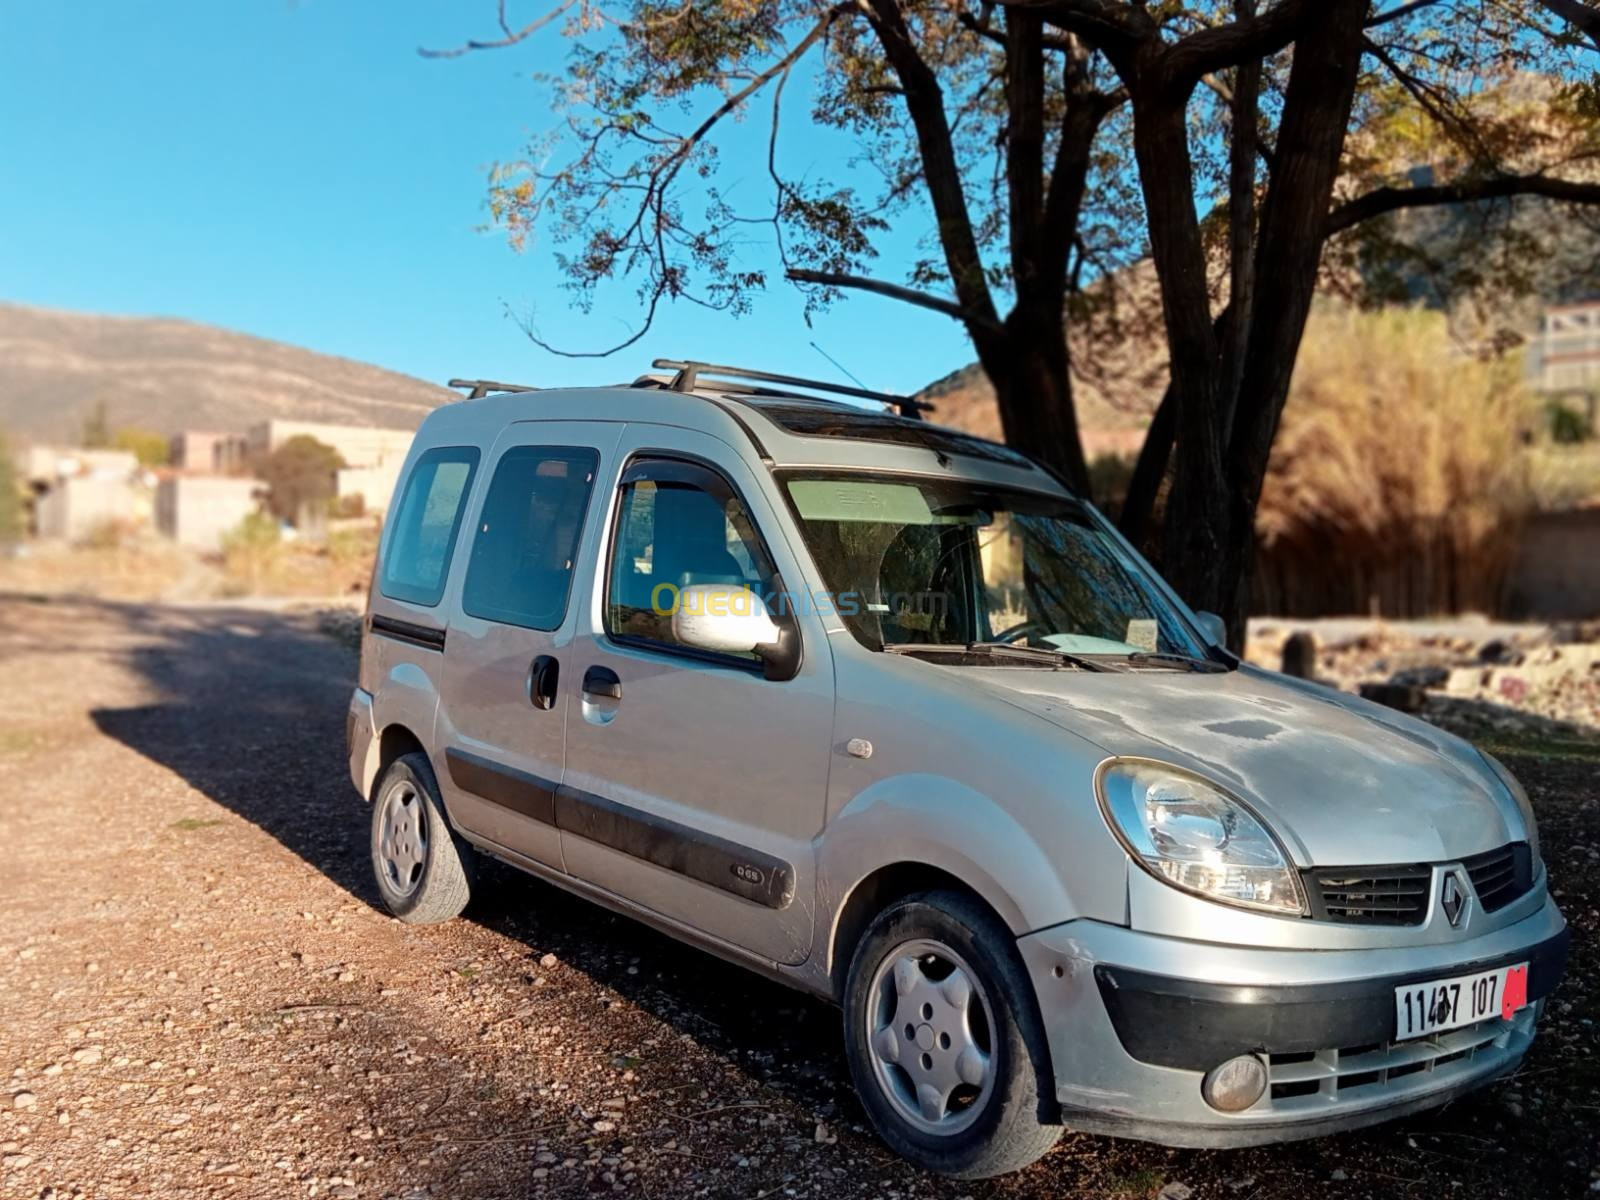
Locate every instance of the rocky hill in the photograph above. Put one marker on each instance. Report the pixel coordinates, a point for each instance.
(166, 375)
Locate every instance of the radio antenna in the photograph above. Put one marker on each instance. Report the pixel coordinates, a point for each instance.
(838, 364)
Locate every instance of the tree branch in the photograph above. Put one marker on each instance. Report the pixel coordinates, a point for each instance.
(1579, 15)
(893, 291)
(512, 37)
(1242, 40)
(984, 28)
(940, 170)
(1024, 158)
(1087, 107)
(1394, 14)
(1109, 27)
(1389, 199)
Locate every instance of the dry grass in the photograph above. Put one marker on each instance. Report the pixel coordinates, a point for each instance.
(149, 568)
(1400, 478)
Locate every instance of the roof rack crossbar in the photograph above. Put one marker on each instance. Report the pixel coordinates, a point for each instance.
(689, 372)
(477, 389)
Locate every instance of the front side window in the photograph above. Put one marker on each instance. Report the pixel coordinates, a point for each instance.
(678, 524)
(526, 542)
(917, 562)
(424, 530)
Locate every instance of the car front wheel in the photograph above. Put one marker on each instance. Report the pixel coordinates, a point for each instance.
(944, 1040)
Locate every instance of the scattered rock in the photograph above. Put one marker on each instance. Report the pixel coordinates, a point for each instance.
(24, 1100)
(1300, 655)
(1498, 651)
(1423, 677)
(1402, 697)
(548, 961)
(1175, 1191)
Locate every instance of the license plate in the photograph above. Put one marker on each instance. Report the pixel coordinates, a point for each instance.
(1440, 1004)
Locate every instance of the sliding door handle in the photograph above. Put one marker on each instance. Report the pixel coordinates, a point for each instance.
(602, 683)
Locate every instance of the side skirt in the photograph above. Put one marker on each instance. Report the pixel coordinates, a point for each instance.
(799, 977)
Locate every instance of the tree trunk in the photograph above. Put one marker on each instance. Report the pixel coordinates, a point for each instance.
(1243, 113)
(1137, 517)
(1316, 115)
(1192, 542)
(1033, 389)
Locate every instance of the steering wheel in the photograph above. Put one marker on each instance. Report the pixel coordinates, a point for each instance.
(1020, 633)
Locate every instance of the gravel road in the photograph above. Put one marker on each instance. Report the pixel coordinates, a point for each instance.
(198, 996)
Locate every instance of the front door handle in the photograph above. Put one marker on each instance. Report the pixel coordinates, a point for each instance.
(543, 676)
(602, 682)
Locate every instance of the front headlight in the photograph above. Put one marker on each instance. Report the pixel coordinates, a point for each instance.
(1193, 835)
(1524, 806)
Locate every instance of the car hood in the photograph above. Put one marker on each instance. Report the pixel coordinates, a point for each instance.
(1342, 781)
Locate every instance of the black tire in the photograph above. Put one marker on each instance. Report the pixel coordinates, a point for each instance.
(1017, 1122)
(440, 884)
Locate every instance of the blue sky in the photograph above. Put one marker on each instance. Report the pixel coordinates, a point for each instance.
(297, 171)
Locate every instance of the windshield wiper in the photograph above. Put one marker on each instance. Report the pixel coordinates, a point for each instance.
(1206, 665)
(1000, 650)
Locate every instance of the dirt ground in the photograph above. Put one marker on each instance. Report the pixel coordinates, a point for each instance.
(198, 996)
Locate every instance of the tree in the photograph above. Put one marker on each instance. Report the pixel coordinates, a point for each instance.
(1051, 143)
(10, 498)
(301, 472)
(150, 448)
(96, 431)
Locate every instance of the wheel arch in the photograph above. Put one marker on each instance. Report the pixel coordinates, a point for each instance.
(918, 831)
(875, 892)
(395, 740)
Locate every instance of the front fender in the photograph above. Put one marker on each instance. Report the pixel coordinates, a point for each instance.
(938, 822)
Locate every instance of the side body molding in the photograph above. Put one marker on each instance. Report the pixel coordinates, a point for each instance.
(740, 870)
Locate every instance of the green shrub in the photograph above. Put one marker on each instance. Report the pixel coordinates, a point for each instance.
(250, 552)
(10, 498)
(1568, 426)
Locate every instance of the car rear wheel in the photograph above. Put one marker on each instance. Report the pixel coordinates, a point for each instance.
(424, 870)
(944, 1040)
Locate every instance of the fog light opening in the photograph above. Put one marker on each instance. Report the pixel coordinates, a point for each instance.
(1236, 1084)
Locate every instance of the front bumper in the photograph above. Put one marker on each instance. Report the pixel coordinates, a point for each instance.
(1135, 1020)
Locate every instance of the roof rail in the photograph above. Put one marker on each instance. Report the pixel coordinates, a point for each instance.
(688, 374)
(479, 388)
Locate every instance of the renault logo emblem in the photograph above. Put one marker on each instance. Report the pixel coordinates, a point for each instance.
(1453, 898)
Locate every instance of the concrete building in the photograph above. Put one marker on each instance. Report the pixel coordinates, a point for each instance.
(76, 493)
(372, 457)
(1569, 350)
(208, 453)
(78, 508)
(198, 510)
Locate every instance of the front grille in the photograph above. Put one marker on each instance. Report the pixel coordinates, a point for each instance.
(1312, 1079)
(1370, 895)
(1500, 876)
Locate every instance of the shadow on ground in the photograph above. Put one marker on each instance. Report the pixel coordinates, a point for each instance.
(251, 714)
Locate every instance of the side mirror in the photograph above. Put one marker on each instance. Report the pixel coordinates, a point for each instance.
(1212, 627)
(734, 620)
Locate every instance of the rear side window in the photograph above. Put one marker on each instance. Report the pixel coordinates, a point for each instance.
(425, 528)
(527, 537)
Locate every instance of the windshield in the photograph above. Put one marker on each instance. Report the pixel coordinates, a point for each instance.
(918, 562)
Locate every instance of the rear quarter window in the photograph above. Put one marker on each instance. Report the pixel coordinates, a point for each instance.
(426, 523)
(526, 544)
